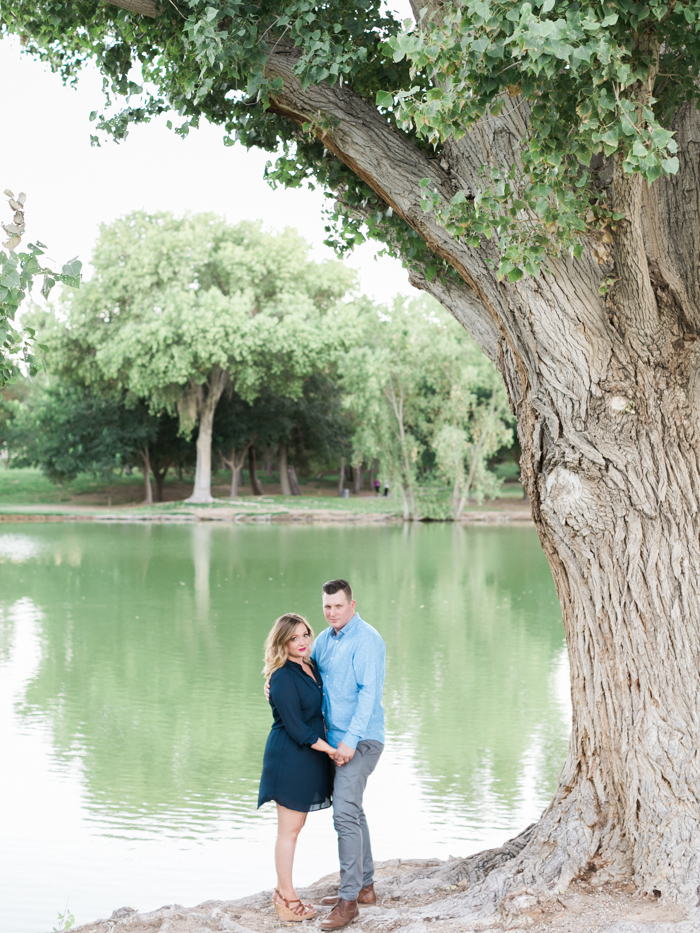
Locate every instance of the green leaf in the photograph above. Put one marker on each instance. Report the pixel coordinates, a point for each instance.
(670, 166)
(49, 283)
(72, 268)
(384, 99)
(10, 279)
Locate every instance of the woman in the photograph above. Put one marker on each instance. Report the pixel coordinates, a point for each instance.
(297, 770)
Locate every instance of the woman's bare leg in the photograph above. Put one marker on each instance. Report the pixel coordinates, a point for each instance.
(289, 825)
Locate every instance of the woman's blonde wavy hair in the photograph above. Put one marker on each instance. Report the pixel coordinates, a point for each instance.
(281, 634)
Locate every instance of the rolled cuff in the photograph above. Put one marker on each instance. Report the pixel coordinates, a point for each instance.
(350, 740)
(310, 739)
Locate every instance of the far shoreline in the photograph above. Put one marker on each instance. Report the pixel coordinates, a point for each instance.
(248, 514)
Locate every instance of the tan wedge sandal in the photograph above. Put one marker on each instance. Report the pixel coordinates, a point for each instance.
(291, 911)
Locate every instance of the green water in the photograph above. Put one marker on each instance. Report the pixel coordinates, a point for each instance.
(133, 721)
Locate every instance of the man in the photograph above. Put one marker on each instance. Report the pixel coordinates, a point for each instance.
(350, 655)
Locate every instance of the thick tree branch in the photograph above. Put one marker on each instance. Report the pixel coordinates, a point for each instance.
(463, 304)
(384, 158)
(144, 7)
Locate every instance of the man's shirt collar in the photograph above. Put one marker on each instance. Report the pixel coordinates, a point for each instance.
(348, 625)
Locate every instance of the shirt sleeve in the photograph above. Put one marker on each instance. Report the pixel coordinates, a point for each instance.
(285, 696)
(368, 666)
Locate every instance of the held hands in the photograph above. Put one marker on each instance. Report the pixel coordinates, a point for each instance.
(343, 754)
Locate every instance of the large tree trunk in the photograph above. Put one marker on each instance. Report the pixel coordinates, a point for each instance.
(206, 399)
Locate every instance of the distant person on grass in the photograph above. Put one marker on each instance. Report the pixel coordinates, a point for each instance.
(350, 658)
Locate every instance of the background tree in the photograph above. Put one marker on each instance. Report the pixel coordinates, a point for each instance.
(66, 430)
(167, 449)
(421, 392)
(472, 423)
(179, 310)
(535, 165)
(12, 399)
(312, 431)
(385, 389)
(305, 432)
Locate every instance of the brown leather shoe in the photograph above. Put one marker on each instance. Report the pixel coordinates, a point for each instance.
(342, 914)
(366, 898)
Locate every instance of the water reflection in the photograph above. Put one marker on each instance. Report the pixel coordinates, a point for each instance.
(149, 649)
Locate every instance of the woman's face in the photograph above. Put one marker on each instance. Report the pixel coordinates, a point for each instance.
(298, 647)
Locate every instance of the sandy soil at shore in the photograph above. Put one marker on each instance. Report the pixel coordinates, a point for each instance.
(413, 899)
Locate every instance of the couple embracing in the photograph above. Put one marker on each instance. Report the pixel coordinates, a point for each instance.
(326, 739)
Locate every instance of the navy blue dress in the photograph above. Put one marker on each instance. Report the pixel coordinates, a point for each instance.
(294, 774)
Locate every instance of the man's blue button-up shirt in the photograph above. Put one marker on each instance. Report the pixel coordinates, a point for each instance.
(352, 667)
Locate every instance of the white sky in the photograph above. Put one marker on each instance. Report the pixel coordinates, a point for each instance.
(72, 187)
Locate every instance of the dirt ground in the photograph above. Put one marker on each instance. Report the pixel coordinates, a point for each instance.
(412, 901)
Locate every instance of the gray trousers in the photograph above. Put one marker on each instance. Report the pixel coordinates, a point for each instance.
(354, 850)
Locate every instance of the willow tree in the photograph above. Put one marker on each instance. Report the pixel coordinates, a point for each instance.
(536, 167)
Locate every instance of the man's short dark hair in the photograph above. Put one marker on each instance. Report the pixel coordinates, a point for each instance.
(335, 586)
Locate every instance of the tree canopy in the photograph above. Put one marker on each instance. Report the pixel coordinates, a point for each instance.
(596, 80)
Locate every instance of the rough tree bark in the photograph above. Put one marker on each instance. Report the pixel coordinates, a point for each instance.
(606, 394)
(204, 399)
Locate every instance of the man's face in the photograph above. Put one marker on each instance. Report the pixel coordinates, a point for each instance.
(337, 610)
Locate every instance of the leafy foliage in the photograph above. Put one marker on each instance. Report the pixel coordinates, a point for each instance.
(595, 81)
(66, 431)
(18, 271)
(425, 397)
(172, 299)
(314, 426)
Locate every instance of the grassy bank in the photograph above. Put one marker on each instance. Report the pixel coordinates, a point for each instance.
(28, 491)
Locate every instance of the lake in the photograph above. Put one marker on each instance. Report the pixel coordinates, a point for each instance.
(133, 721)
